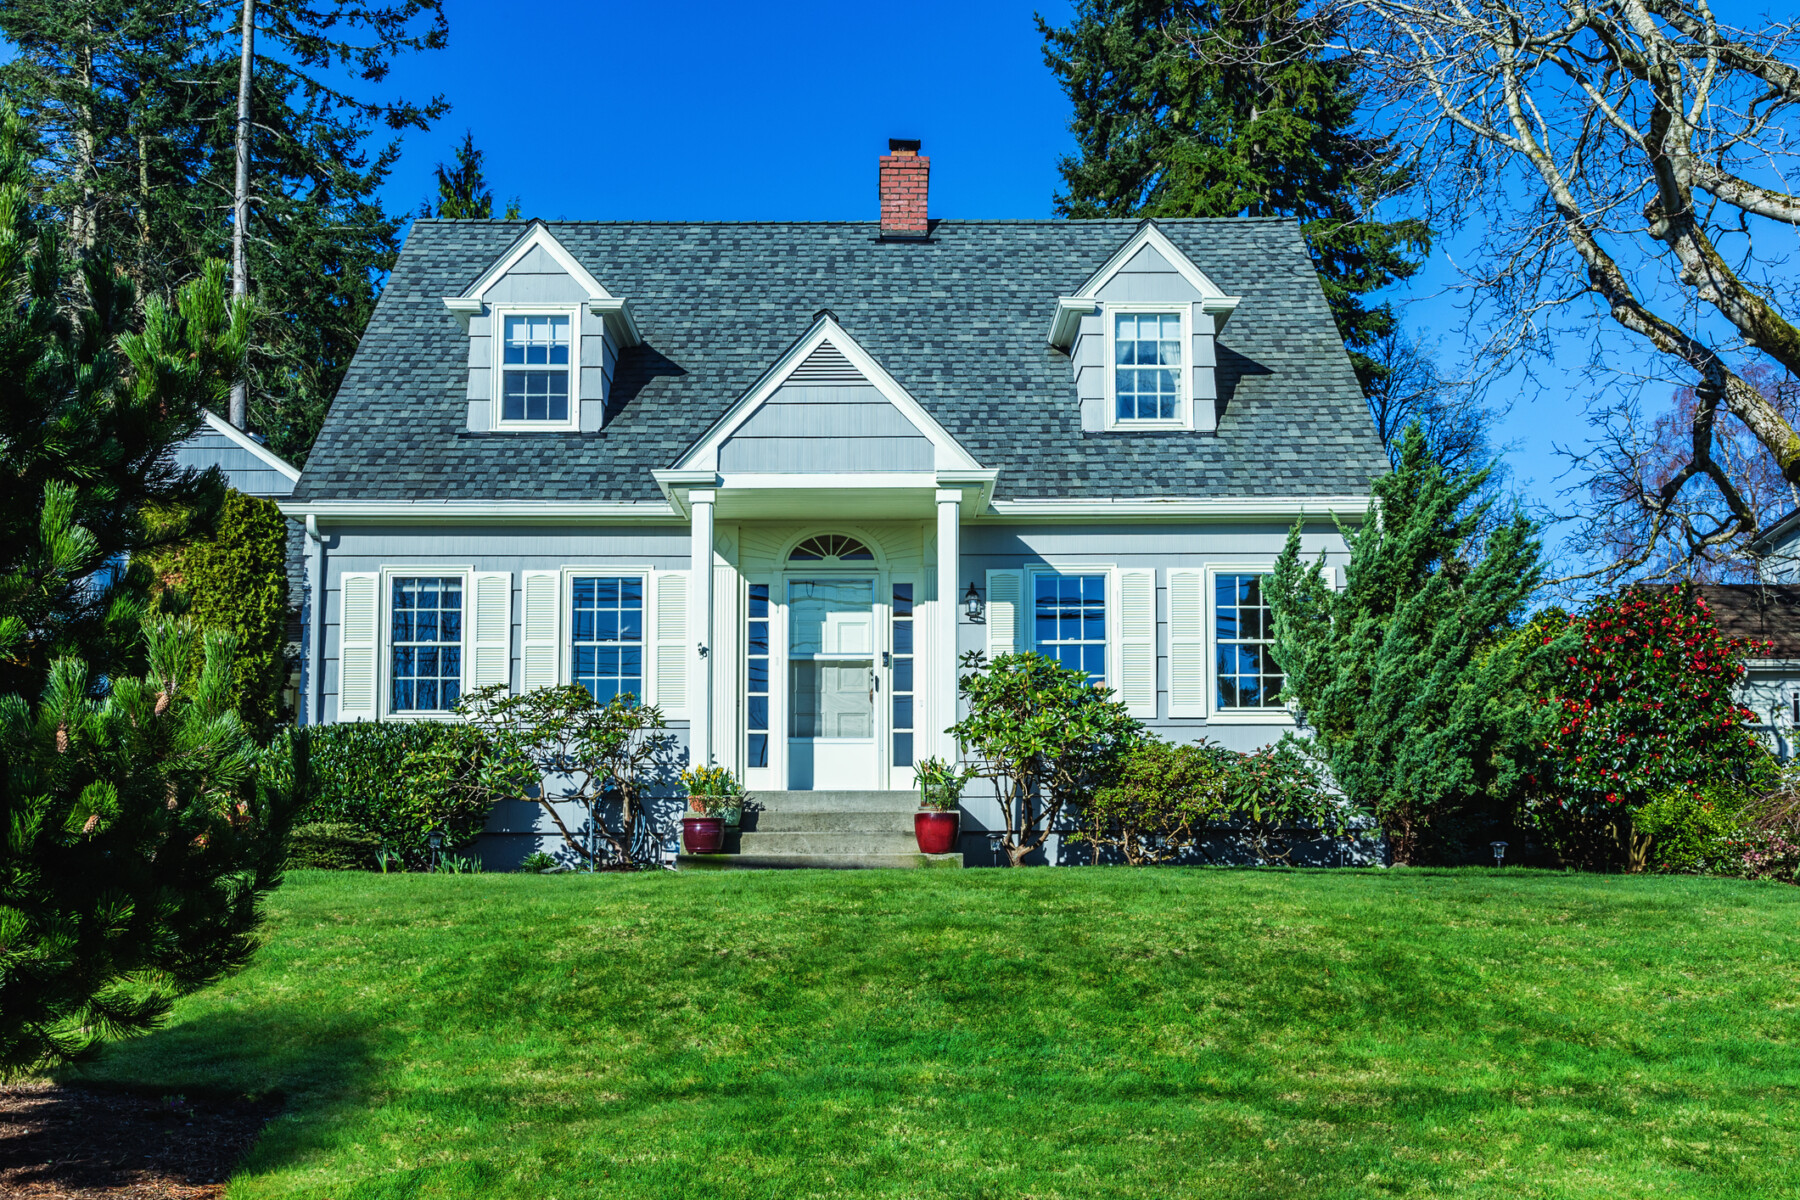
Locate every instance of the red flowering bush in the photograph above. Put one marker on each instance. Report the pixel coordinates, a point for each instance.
(1641, 705)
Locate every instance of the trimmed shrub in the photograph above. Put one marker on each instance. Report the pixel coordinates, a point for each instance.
(332, 846)
(1157, 807)
(1165, 801)
(396, 781)
(236, 580)
(1695, 833)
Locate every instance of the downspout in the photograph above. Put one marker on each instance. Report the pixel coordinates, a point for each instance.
(316, 690)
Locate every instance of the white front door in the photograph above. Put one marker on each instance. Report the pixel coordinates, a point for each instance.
(832, 684)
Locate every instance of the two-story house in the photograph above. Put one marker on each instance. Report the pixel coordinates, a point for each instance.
(776, 477)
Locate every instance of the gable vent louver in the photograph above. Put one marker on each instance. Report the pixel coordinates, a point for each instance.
(827, 367)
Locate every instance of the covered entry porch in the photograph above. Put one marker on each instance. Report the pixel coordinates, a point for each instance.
(823, 637)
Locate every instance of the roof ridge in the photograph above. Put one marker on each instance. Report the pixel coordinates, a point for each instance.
(1057, 221)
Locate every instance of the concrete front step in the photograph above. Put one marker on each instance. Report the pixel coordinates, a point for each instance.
(848, 845)
(828, 862)
(835, 801)
(871, 821)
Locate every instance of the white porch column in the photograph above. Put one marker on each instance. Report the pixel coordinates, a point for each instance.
(700, 623)
(949, 560)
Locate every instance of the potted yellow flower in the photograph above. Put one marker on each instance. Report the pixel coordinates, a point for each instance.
(715, 803)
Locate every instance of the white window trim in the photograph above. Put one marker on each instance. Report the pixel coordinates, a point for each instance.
(1184, 403)
(384, 637)
(1027, 615)
(1283, 716)
(497, 315)
(565, 654)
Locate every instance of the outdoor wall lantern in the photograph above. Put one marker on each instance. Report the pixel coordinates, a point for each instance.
(973, 605)
(1499, 849)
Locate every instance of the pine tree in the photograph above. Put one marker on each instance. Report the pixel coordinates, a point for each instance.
(1411, 677)
(136, 108)
(463, 193)
(1190, 108)
(136, 835)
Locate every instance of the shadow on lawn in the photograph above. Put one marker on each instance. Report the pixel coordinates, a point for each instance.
(294, 1067)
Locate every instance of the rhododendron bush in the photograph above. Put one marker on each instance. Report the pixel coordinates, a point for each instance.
(1641, 705)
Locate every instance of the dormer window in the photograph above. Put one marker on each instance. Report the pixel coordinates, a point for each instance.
(1147, 368)
(535, 368)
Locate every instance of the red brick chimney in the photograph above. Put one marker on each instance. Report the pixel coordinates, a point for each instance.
(905, 178)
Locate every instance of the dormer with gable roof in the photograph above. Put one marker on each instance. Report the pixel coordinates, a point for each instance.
(544, 340)
(1141, 338)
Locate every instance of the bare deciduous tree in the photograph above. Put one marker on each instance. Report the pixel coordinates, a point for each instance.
(1628, 158)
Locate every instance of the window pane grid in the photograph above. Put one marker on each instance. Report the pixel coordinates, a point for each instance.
(757, 675)
(1147, 366)
(425, 641)
(1244, 631)
(1070, 619)
(902, 685)
(542, 341)
(606, 635)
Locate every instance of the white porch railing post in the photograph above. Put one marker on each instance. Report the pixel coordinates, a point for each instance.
(700, 625)
(949, 560)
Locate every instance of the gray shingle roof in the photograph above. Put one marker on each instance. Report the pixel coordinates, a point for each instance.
(960, 321)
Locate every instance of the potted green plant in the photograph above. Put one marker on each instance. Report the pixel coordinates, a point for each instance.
(940, 805)
(715, 803)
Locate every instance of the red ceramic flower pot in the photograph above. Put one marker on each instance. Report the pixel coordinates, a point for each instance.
(703, 835)
(936, 831)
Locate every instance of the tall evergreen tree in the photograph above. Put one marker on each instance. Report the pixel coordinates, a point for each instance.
(136, 837)
(463, 193)
(1218, 108)
(1410, 677)
(136, 106)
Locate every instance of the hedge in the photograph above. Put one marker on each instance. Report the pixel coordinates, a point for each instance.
(388, 780)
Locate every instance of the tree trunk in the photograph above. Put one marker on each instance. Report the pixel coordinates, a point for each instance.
(240, 200)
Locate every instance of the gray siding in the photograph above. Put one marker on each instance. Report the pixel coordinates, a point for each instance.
(370, 548)
(826, 429)
(1149, 277)
(243, 470)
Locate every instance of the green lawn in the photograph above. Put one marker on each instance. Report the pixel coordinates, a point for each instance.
(1047, 1033)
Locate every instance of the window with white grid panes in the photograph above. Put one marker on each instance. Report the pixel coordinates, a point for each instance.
(606, 635)
(1244, 632)
(535, 381)
(1147, 366)
(425, 643)
(1069, 616)
(903, 674)
(756, 660)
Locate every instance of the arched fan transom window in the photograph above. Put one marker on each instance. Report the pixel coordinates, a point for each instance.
(830, 548)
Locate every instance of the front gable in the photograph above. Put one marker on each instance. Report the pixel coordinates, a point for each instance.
(827, 407)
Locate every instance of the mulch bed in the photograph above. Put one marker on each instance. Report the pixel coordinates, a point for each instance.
(73, 1143)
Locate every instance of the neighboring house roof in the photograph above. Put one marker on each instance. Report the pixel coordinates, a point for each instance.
(1765, 612)
(249, 466)
(958, 321)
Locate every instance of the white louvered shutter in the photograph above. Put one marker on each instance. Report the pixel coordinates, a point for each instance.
(1003, 590)
(358, 622)
(538, 644)
(1187, 644)
(490, 650)
(671, 657)
(1137, 642)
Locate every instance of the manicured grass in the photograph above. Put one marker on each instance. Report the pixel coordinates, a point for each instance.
(1047, 1033)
